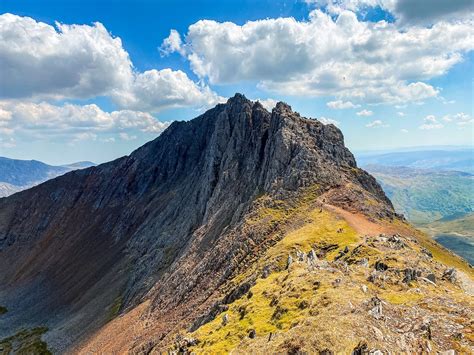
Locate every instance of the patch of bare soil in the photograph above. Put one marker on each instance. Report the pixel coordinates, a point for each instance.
(358, 221)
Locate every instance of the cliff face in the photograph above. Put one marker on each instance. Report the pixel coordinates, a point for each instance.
(169, 223)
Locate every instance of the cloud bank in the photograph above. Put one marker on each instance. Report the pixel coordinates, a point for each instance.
(339, 56)
(41, 121)
(40, 61)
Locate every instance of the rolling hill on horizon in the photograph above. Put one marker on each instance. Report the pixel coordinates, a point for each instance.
(439, 198)
(457, 159)
(426, 195)
(17, 175)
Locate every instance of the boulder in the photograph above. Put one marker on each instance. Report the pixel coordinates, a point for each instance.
(410, 275)
(450, 275)
(431, 277)
(380, 266)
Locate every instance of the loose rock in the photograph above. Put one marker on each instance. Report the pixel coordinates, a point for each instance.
(380, 266)
(450, 275)
(289, 261)
(364, 262)
(431, 277)
(427, 252)
(410, 275)
(361, 349)
(375, 305)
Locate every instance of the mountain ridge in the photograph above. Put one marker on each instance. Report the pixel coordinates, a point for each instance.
(17, 175)
(170, 231)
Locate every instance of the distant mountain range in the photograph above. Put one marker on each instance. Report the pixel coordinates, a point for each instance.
(426, 195)
(437, 159)
(427, 184)
(462, 225)
(17, 175)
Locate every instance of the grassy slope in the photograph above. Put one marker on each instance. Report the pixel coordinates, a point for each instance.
(259, 314)
(311, 312)
(324, 306)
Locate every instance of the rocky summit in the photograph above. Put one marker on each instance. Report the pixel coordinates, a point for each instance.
(241, 230)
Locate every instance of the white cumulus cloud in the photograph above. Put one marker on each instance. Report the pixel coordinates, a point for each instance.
(172, 44)
(461, 118)
(40, 61)
(340, 105)
(339, 56)
(405, 11)
(75, 122)
(430, 126)
(268, 104)
(376, 123)
(154, 90)
(430, 122)
(365, 113)
(326, 120)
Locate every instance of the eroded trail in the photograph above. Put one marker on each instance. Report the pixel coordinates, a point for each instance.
(357, 221)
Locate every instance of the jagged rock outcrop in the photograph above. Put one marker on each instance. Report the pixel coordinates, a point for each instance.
(166, 222)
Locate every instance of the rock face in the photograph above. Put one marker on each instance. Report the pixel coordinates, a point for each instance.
(165, 223)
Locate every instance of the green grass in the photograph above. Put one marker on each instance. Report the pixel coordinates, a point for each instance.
(296, 293)
(425, 196)
(463, 225)
(27, 341)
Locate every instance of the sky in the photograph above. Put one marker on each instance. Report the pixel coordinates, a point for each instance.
(94, 80)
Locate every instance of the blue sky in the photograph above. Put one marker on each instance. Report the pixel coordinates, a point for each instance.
(386, 74)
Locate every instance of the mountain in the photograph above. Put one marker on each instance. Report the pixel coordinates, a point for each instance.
(241, 229)
(79, 165)
(17, 175)
(7, 189)
(455, 232)
(423, 195)
(461, 224)
(432, 159)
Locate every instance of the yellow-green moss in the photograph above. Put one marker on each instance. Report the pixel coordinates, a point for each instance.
(289, 289)
(260, 314)
(401, 297)
(439, 253)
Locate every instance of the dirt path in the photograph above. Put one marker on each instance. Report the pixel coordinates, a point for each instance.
(357, 221)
